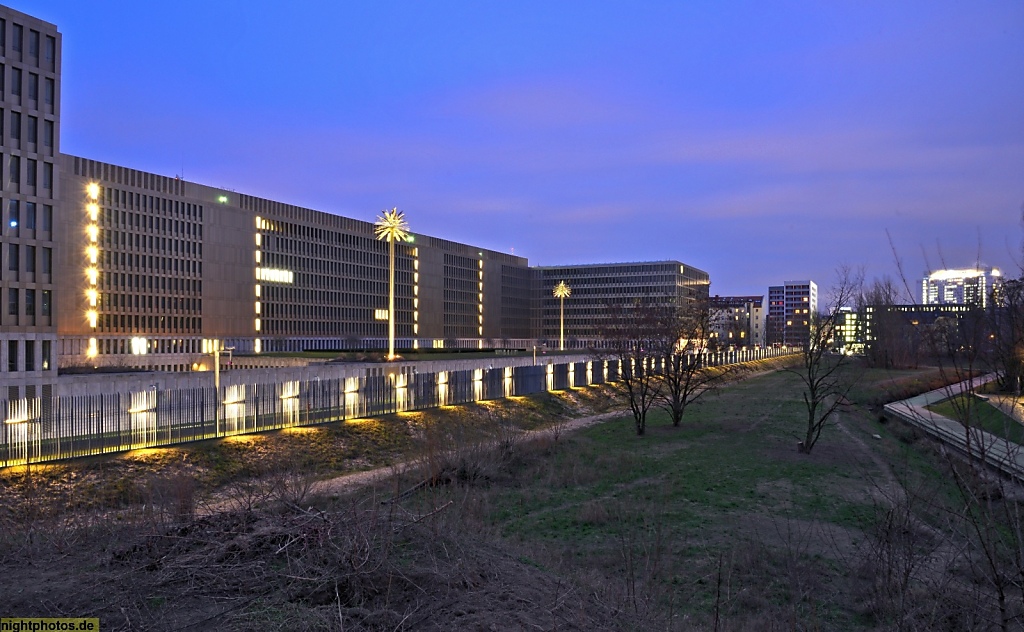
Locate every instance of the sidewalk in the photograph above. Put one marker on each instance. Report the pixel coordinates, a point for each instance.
(973, 443)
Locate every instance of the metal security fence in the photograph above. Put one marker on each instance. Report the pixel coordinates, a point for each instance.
(38, 430)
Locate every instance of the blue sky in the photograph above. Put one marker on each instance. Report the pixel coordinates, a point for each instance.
(761, 142)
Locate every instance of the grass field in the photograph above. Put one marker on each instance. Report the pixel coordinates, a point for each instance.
(979, 413)
(717, 524)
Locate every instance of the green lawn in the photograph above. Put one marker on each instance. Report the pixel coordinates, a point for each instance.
(981, 414)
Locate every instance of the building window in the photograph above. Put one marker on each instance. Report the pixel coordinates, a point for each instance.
(33, 43)
(47, 175)
(15, 170)
(44, 307)
(12, 301)
(47, 133)
(32, 130)
(16, 31)
(15, 130)
(12, 355)
(47, 210)
(13, 216)
(33, 86)
(30, 215)
(30, 302)
(47, 352)
(30, 172)
(47, 260)
(30, 259)
(16, 82)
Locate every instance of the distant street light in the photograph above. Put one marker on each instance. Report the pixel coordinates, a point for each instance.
(391, 226)
(561, 291)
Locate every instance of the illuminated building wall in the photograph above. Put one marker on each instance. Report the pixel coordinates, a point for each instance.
(790, 307)
(970, 286)
(738, 321)
(595, 287)
(30, 51)
(154, 269)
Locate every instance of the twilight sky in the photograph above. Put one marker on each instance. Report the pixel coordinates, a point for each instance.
(761, 142)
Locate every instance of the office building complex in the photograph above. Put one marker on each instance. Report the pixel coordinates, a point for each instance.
(790, 309)
(738, 321)
(159, 267)
(105, 265)
(598, 287)
(29, 144)
(970, 286)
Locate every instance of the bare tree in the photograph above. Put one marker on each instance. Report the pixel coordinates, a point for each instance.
(826, 381)
(685, 376)
(637, 335)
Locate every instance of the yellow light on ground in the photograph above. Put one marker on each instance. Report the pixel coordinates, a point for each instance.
(93, 190)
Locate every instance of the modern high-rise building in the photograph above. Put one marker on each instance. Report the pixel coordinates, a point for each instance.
(597, 287)
(968, 286)
(30, 63)
(790, 310)
(738, 321)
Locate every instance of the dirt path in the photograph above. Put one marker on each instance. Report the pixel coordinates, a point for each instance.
(347, 482)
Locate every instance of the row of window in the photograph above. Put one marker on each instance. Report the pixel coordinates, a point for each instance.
(151, 205)
(152, 283)
(135, 241)
(23, 214)
(21, 355)
(25, 258)
(13, 81)
(27, 127)
(30, 175)
(18, 39)
(135, 323)
(112, 302)
(14, 302)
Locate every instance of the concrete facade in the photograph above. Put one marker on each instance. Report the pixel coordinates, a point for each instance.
(597, 287)
(30, 60)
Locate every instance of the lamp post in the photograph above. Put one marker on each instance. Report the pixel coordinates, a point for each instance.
(391, 226)
(561, 291)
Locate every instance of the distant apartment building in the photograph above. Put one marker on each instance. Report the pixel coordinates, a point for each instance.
(30, 64)
(738, 321)
(597, 287)
(790, 310)
(968, 286)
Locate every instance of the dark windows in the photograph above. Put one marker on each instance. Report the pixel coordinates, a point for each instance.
(13, 256)
(46, 302)
(30, 302)
(30, 259)
(12, 301)
(30, 215)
